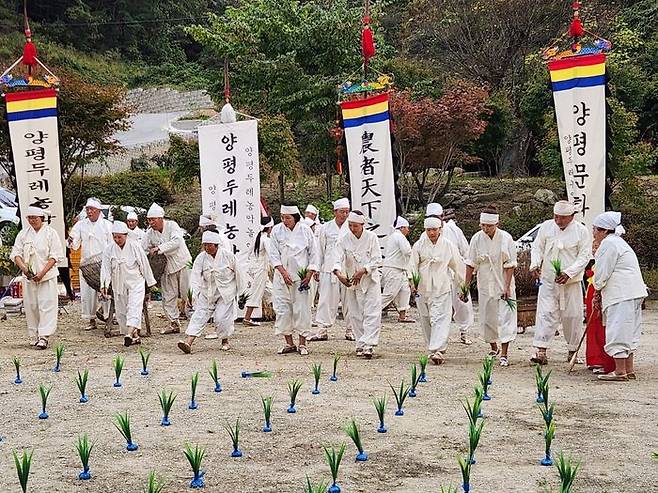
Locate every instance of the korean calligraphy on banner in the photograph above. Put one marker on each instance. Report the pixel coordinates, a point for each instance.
(230, 180)
(368, 140)
(32, 118)
(579, 93)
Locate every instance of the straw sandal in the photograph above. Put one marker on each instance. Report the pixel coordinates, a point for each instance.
(504, 362)
(303, 351)
(91, 326)
(631, 376)
(211, 335)
(42, 343)
(250, 323)
(539, 359)
(493, 352)
(349, 335)
(185, 347)
(174, 328)
(437, 358)
(287, 349)
(367, 353)
(225, 346)
(319, 337)
(463, 338)
(359, 351)
(613, 377)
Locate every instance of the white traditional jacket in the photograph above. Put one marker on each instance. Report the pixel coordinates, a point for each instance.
(397, 253)
(125, 268)
(435, 262)
(171, 244)
(294, 249)
(489, 257)
(37, 248)
(218, 276)
(573, 246)
(92, 236)
(328, 236)
(354, 253)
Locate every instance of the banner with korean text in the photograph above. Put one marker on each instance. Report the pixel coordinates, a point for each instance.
(579, 93)
(33, 130)
(368, 142)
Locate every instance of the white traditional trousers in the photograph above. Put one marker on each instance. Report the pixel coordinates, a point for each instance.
(462, 312)
(435, 315)
(223, 315)
(128, 308)
(330, 295)
(623, 322)
(174, 286)
(559, 304)
(395, 288)
(261, 288)
(40, 305)
(364, 314)
(498, 321)
(89, 301)
(292, 308)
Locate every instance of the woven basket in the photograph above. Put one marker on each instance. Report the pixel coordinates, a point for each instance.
(91, 271)
(267, 311)
(158, 264)
(526, 310)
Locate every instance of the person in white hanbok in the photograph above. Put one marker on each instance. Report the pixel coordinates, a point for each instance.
(560, 297)
(259, 272)
(36, 251)
(620, 291)
(358, 259)
(93, 234)
(135, 233)
(492, 256)
(207, 223)
(436, 260)
(313, 284)
(165, 237)
(127, 271)
(396, 270)
(311, 212)
(331, 290)
(292, 248)
(216, 283)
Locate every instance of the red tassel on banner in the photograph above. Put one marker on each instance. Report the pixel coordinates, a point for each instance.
(367, 43)
(576, 29)
(29, 50)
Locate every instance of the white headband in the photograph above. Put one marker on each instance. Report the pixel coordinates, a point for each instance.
(564, 208)
(268, 225)
(35, 211)
(312, 209)
(289, 209)
(486, 218)
(433, 209)
(119, 227)
(94, 203)
(205, 221)
(400, 222)
(610, 220)
(211, 237)
(432, 223)
(356, 218)
(342, 204)
(132, 216)
(155, 211)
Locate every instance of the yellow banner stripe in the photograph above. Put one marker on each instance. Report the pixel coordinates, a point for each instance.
(366, 110)
(577, 72)
(31, 104)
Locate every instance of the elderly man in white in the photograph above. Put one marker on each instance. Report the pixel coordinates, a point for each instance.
(492, 255)
(358, 258)
(93, 234)
(127, 270)
(292, 249)
(620, 291)
(36, 251)
(165, 237)
(135, 233)
(396, 270)
(216, 283)
(566, 242)
(330, 289)
(436, 260)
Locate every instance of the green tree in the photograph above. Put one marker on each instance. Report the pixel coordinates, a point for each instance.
(278, 153)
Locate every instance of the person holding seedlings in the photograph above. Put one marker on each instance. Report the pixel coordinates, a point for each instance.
(436, 260)
(126, 268)
(620, 291)
(359, 255)
(331, 291)
(396, 270)
(492, 254)
(559, 255)
(259, 271)
(218, 282)
(165, 237)
(293, 253)
(93, 234)
(135, 233)
(36, 251)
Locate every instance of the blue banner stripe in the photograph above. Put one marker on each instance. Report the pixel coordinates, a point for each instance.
(356, 122)
(31, 114)
(597, 80)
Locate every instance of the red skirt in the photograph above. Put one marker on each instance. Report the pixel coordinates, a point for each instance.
(595, 356)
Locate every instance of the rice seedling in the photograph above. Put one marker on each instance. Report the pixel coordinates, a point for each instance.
(380, 407)
(193, 384)
(256, 374)
(415, 377)
(547, 413)
(17, 364)
(473, 410)
(478, 396)
(321, 487)
(415, 280)
(352, 430)
(484, 383)
(474, 433)
(567, 470)
(81, 382)
(59, 352)
(317, 373)
(195, 457)
(333, 376)
(189, 296)
(166, 403)
(542, 384)
(465, 468)
(333, 458)
(23, 467)
(423, 359)
(44, 392)
(122, 423)
(448, 489)
(214, 374)
(154, 484)
(145, 356)
(464, 292)
(234, 434)
(118, 368)
(189, 264)
(487, 367)
(302, 273)
(293, 390)
(557, 266)
(511, 303)
(242, 299)
(400, 396)
(548, 440)
(84, 448)
(267, 411)
(349, 279)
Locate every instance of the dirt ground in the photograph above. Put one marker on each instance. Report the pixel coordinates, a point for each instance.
(611, 428)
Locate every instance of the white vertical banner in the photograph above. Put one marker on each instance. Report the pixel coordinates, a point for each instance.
(368, 141)
(33, 131)
(579, 94)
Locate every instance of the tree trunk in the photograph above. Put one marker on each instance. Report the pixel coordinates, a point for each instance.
(282, 184)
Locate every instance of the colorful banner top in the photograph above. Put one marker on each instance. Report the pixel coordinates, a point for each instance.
(31, 105)
(369, 110)
(578, 71)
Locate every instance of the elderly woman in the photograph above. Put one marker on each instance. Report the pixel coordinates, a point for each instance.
(126, 268)
(135, 233)
(620, 292)
(396, 272)
(492, 254)
(293, 250)
(434, 258)
(259, 271)
(215, 283)
(36, 251)
(359, 256)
